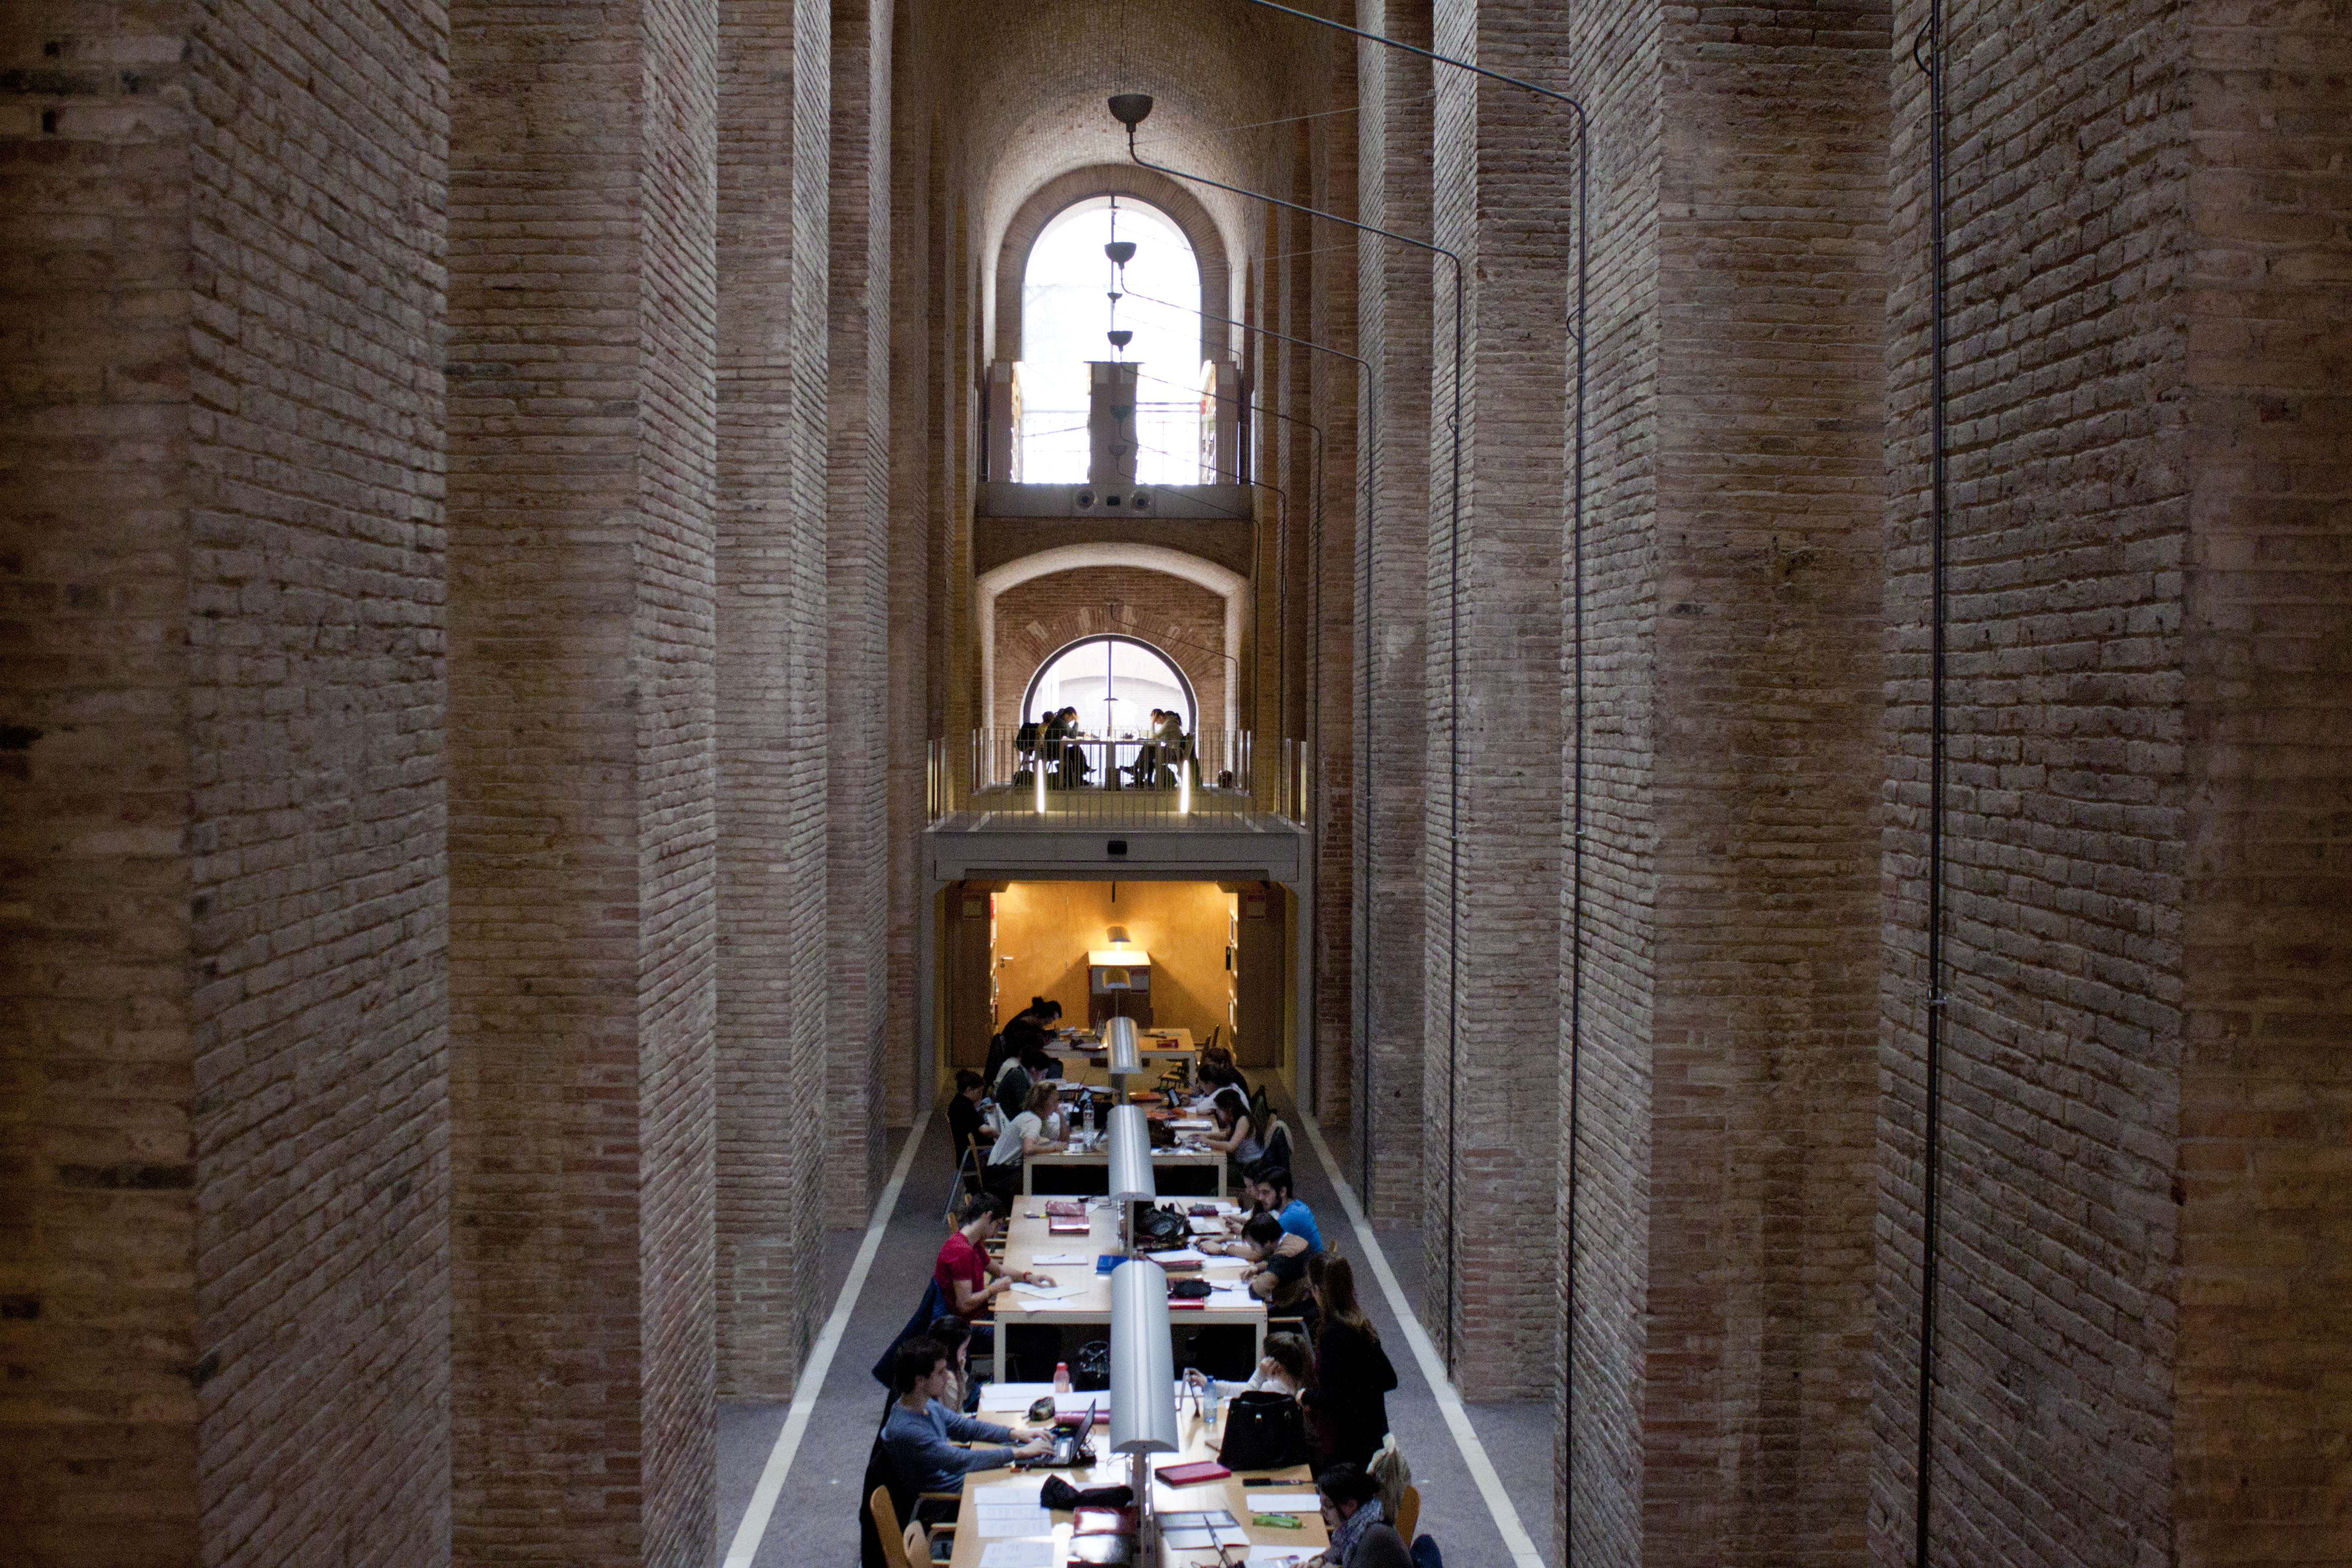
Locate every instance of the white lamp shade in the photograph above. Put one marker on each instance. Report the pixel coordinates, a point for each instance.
(1131, 1180)
(1142, 1361)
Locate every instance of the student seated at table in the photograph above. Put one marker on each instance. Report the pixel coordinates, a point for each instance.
(922, 1434)
(1236, 1136)
(965, 1117)
(1038, 1130)
(1220, 1058)
(1266, 1186)
(1215, 1079)
(955, 1337)
(1284, 1369)
(1277, 1275)
(1348, 1401)
(968, 1279)
(1360, 1536)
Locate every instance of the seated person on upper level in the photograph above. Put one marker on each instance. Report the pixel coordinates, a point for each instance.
(1360, 1536)
(922, 1434)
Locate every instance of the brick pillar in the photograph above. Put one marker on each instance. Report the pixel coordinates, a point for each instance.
(2262, 1435)
(1330, 610)
(909, 1060)
(772, 662)
(582, 880)
(224, 1284)
(858, 685)
(1498, 187)
(1391, 610)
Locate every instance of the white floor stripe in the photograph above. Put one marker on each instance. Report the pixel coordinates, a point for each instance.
(1449, 1404)
(747, 1535)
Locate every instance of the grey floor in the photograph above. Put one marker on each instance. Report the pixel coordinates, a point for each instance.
(816, 1521)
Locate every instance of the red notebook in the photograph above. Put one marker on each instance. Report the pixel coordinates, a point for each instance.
(1069, 1225)
(1063, 1208)
(1192, 1474)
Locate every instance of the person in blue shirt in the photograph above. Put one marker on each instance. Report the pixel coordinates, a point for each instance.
(1269, 1187)
(922, 1434)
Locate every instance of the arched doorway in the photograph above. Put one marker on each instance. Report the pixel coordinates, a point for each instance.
(1114, 681)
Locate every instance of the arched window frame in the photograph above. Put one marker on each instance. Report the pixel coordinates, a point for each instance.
(1184, 682)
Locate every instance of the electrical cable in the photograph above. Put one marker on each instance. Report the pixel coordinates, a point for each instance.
(1365, 773)
(1577, 328)
(1453, 530)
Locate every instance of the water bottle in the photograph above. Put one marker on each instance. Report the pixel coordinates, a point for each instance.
(1090, 1119)
(1061, 1377)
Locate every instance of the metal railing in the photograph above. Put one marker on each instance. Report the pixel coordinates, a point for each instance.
(1114, 780)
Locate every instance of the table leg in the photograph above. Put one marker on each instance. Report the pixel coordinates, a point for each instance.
(1028, 1180)
(1004, 1334)
(1261, 1346)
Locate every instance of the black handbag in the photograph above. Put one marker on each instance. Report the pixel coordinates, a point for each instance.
(1264, 1431)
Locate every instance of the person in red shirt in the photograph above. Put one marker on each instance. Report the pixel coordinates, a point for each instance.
(968, 1279)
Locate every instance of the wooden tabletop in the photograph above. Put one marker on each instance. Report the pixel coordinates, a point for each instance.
(1027, 1238)
(1197, 1441)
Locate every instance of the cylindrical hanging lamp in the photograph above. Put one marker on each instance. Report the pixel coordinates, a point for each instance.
(1142, 1362)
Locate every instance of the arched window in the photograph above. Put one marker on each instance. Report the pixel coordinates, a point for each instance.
(1065, 310)
(1114, 682)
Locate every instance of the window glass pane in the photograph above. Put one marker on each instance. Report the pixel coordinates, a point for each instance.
(1114, 683)
(1065, 310)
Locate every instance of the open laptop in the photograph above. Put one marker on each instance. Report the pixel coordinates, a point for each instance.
(1073, 1448)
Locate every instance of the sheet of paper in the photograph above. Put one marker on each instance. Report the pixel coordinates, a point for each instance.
(1200, 1518)
(1018, 1554)
(1300, 1503)
(1207, 1224)
(1279, 1556)
(1046, 1292)
(1181, 1255)
(1233, 1300)
(1048, 1259)
(1006, 1494)
(1000, 1521)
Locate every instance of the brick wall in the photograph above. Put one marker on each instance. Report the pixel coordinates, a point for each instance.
(774, 64)
(857, 689)
(1604, 1379)
(225, 1272)
(582, 777)
(2066, 851)
(1767, 544)
(1329, 600)
(2263, 1438)
(1182, 619)
(1498, 178)
(1391, 607)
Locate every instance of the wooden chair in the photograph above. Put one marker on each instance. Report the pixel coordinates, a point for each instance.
(907, 1547)
(1408, 1514)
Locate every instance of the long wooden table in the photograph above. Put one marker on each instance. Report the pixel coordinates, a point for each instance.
(1027, 1238)
(1197, 1440)
(1150, 1045)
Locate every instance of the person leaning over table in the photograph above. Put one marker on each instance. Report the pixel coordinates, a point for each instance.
(1267, 1186)
(922, 1434)
(1360, 1536)
(1278, 1275)
(968, 1278)
(1033, 1132)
